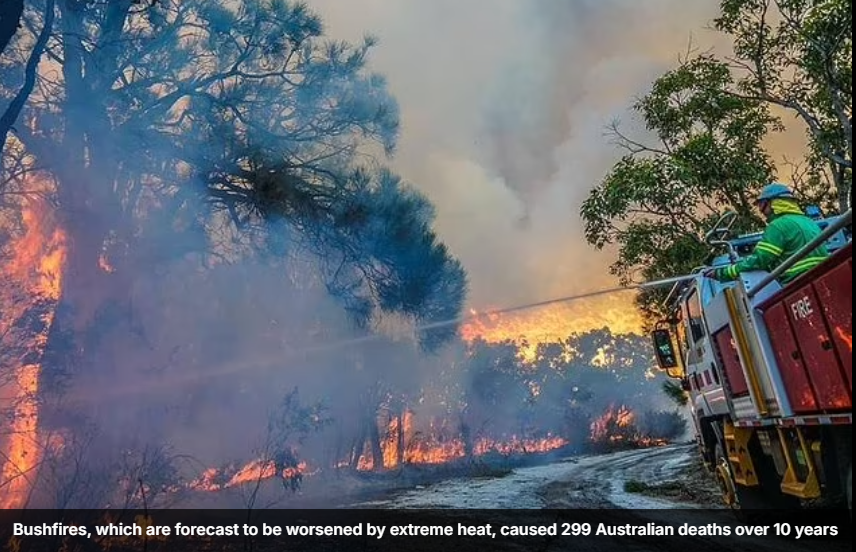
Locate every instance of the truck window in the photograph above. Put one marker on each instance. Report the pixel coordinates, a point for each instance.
(696, 322)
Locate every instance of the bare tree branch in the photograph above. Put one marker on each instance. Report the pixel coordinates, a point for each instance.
(14, 109)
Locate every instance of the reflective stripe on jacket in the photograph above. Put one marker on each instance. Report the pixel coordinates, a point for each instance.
(785, 235)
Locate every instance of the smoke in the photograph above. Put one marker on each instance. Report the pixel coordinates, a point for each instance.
(504, 107)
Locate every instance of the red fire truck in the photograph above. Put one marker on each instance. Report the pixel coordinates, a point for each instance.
(768, 370)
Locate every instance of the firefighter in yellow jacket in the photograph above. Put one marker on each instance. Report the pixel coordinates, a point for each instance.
(788, 230)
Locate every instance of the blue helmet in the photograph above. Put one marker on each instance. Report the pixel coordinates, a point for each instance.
(774, 191)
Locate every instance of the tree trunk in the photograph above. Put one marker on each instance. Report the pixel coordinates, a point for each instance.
(402, 443)
(377, 450)
(95, 302)
(13, 110)
(359, 446)
(10, 18)
(467, 438)
(843, 185)
(335, 453)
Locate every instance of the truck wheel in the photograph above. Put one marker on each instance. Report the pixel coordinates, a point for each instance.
(743, 501)
(722, 471)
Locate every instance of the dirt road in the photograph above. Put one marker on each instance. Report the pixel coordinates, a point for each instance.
(662, 477)
(580, 490)
(595, 481)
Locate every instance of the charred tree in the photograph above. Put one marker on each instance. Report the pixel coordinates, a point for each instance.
(467, 437)
(359, 447)
(374, 441)
(401, 439)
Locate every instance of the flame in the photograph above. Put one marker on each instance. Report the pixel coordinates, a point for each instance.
(430, 447)
(554, 323)
(259, 469)
(612, 425)
(396, 434)
(104, 264)
(35, 267)
(213, 479)
(619, 425)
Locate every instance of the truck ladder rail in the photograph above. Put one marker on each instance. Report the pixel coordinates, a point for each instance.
(829, 231)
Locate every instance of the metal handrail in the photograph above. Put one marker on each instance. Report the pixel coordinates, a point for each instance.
(839, 223)
(721, 228)
(721, 233)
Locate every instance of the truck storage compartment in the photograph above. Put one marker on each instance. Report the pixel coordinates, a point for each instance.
(810, 327)
(835, 296)
(800, 392)
(730, 361)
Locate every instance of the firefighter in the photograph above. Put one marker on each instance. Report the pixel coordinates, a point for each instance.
(788, 230)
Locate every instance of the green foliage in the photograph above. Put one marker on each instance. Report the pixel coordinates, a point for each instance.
(814, 184)
(798, 54)
(661, 424)
(658, 201)
(710, 117)
(635, 486)
(675, 392)
(370, 231)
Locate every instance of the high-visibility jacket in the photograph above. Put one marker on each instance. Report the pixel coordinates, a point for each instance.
(787, 232)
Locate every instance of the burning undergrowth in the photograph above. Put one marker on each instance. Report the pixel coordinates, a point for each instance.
(621, 428)
(212, 392)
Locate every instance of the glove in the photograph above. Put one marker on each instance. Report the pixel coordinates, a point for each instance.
(715, 273)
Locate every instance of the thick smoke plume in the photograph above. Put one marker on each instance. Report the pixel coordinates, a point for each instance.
(504, 111)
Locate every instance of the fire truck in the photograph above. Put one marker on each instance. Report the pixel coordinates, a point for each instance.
(768, 371)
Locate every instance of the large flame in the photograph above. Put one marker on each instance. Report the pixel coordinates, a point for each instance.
(32, 278)
(554, 323)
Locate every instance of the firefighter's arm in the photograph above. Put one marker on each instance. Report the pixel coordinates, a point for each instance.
(767, 255)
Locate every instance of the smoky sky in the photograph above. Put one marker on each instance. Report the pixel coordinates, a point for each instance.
(504, 109)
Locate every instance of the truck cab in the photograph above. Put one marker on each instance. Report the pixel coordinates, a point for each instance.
(767, 370)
